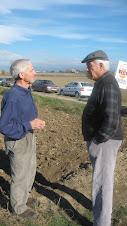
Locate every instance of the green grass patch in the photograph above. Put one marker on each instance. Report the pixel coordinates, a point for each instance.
(59, 105)
(29, 223)
(119, 216)
(2, 224)
(89, 215)
(62, 221)
(124, 96)
(69, 107)
(54, 103)
(3, 90)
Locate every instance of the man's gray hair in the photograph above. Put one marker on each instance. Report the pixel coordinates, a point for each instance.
(104, 62)
(18, 66)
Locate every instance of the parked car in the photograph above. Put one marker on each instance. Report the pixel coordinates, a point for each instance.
(45, 86)
(8, 82)
(1, 80)
(77, 89)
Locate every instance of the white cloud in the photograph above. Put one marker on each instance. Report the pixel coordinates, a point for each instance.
(113, 65)
(58, 64)
(4, 10)
(6, 6)
(6, 58)
(47, 63)
(70, 36)
(76, 15)
(111, 40)
(9, 56)
(61, 61)
(22, 29)
(11, 34)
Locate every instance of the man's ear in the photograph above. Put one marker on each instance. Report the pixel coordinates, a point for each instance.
(21, 75)
(101, 66)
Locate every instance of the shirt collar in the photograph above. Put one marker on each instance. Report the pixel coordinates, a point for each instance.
(20, 88)
(102, 77)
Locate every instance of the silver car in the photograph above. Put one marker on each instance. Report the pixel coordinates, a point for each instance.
(7, 82)
(77, 89)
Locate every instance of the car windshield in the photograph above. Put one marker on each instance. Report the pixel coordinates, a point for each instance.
(70, 84)
(86, 84)
(10, 79)
(47, 82)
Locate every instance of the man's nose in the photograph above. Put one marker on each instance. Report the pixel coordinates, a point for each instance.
(87, 69)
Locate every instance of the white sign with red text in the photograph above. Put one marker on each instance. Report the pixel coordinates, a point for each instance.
(121, 74)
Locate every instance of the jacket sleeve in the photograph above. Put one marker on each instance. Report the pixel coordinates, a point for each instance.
(10, 124)
(111, 117)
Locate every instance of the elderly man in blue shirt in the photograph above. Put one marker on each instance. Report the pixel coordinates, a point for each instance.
(19, 119)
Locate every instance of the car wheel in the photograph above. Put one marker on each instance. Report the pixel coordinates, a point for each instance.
(77, 95)
(43, 90)
(61, 92)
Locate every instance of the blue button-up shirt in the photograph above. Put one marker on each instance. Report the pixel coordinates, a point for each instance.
(17, 110)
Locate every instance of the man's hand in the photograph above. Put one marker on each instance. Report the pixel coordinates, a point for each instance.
(37, 124)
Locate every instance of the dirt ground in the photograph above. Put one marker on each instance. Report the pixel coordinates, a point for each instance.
(64, 171)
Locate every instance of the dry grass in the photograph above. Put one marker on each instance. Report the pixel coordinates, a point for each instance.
(62, 79)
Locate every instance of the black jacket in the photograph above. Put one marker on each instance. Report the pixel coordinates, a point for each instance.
(94, 124)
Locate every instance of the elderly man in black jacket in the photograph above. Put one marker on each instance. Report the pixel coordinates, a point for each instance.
(101, 128)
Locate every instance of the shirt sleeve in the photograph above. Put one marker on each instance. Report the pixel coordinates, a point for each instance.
(109, 107)
(10, 124)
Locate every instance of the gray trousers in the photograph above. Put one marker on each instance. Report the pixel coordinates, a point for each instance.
(103, 158)
(22, 155)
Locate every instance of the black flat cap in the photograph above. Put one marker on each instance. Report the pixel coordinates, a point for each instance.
(97, 55)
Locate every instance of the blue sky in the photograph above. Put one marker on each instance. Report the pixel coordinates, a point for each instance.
(58, 34)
